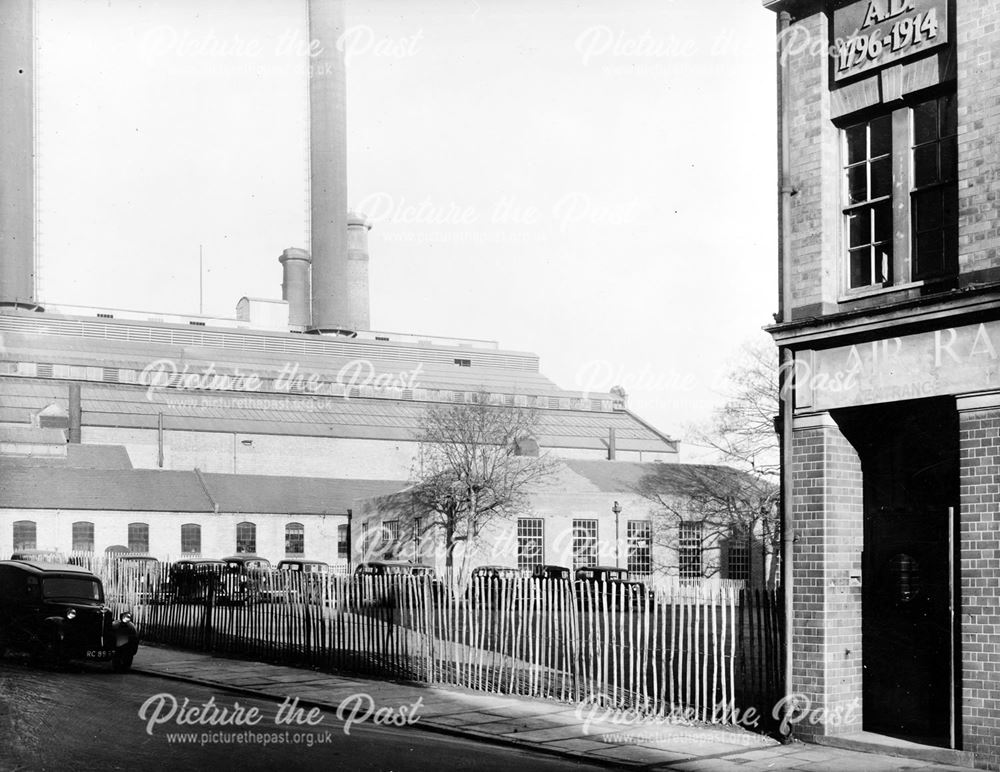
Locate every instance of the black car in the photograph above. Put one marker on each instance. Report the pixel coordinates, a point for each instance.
(245, 578)
(610, 583)
(372, 571)
(493, 583)
(298, 579)
(560, 573)
(56, 613)
(194, 580)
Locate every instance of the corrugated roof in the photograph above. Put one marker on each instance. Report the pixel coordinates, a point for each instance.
(122, 405)
(625, 476)
(26, 486)
(79, 457)
(292, 495)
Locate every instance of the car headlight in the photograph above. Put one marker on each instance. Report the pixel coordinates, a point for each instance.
(126, 617)
(71, 613)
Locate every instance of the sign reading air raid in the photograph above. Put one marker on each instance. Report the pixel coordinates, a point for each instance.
(955, 360)
(872, 33)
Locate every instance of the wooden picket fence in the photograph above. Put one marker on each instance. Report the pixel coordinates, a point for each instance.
(708, 652)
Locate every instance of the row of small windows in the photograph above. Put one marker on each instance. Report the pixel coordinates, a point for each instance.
(901, 195)
(26, 537)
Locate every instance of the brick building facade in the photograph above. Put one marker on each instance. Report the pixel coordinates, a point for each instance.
(889, 327)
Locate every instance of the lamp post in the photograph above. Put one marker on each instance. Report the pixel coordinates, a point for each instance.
(617, 509)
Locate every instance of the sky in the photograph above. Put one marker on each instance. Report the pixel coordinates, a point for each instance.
(592, 181)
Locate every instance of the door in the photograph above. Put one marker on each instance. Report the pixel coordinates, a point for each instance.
(909, 461)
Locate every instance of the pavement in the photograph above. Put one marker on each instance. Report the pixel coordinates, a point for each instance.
(545, 726)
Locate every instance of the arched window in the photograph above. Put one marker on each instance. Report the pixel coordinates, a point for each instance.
(25, 535)
(138, 537)
(83, 536)
(295, 539)
(246, 538)
(190, 538)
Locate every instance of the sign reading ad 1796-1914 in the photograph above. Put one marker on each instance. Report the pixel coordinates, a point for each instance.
(872, 33)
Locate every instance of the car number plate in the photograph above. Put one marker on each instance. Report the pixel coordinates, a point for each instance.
(98, 654)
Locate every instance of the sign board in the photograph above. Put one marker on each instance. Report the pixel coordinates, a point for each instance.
(955, 360)
(873, 33)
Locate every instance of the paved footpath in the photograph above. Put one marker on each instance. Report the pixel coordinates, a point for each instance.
(536, 724)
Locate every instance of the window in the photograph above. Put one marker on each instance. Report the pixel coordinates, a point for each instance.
(530, 542)
(463, 362)
(418, 525)
(934, 208)
(138, 537)
(584, 543)
(25, 535)
(83, 537)
(343, 542)
(246, 538)
(738, 558)
(639, 537)
(689, 551)
(190, 538)
(295, 539)
(390, 533)
(901, 195)
(868, 175)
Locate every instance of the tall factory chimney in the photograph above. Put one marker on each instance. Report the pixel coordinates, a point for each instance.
(328, 167)
(17, 148)
(357, 271)
(295, 285)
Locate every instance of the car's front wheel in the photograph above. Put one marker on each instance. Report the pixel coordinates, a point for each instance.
(121, 662)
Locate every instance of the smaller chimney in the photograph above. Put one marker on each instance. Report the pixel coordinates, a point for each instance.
(612, 450)
(358, 298)
(296, 286)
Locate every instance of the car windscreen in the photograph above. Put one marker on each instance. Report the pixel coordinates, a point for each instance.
(74, 587)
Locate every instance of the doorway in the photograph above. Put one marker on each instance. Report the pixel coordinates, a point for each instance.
(909, 455)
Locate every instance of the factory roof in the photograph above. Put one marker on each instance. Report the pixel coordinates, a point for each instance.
(128, 406)
(27, 486)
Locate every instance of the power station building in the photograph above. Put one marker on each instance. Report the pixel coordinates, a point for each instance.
(296, 400)
(889, 328)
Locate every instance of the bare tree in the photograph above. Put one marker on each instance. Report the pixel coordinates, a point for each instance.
(741, 430)
(741, 434)
(719, 506)
(477, 462)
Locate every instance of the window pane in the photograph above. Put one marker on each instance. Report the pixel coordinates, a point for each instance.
(949, 159)
(881, 136)
(883, 222)
(859, 228)
(930, 254)
(857, 149)
(530, 543)
(857, 184)
(927, 210)
(883, 263)
(246, 537)
(24, 535)
(861, 274)
(925, 165)
(949, 116)
(925, 122)
(83, 537)
(190, 538)
(295, 539)
(138, 537)
(881, 177)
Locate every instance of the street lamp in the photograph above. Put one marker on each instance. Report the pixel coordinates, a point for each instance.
(617, 509)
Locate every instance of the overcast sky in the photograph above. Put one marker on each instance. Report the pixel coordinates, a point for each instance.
(592, 181)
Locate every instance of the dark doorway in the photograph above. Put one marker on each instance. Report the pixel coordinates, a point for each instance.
(910, 463)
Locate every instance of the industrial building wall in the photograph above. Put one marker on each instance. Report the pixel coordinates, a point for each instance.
(54, 531)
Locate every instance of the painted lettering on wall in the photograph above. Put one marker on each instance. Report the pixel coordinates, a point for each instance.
(873, 33)
(953, 360)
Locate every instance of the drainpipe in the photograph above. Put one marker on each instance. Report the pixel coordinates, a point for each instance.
(785, 373)
(159, 440)
(75, 415)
